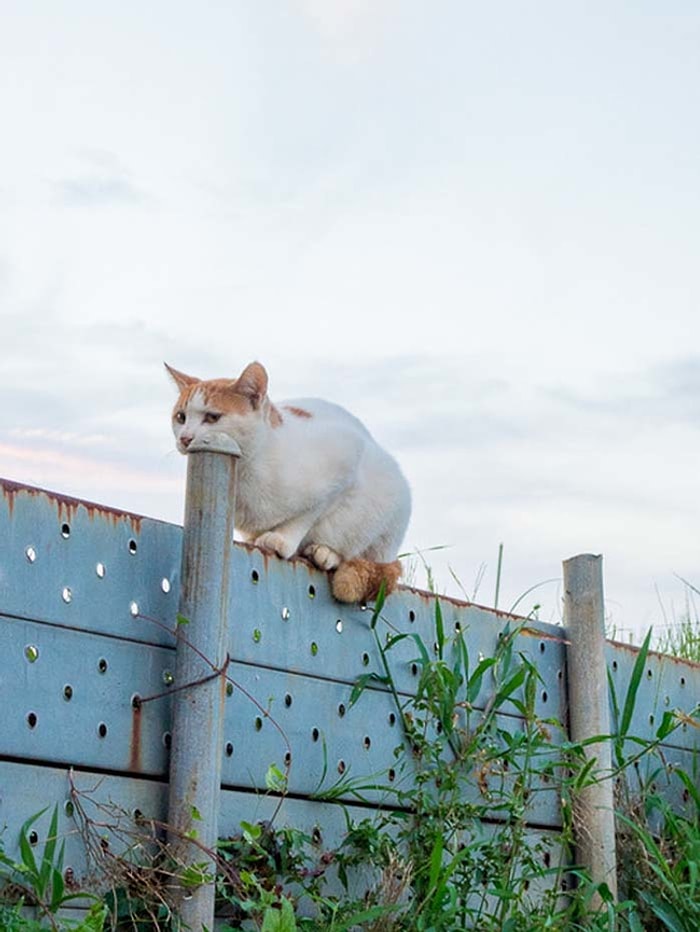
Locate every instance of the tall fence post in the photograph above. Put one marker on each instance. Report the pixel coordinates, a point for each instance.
(589, 713)
(198, 706)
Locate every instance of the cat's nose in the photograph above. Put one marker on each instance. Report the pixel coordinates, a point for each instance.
(185, 441)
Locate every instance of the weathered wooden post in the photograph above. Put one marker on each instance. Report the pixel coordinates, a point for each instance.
(589, 713)
(198, 708)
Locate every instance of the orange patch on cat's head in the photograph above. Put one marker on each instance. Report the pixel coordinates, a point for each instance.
(227, 396)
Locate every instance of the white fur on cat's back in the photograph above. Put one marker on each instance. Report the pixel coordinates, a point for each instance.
(322, 482)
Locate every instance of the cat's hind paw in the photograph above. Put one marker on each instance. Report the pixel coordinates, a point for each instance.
(324, 557)
(276, 543)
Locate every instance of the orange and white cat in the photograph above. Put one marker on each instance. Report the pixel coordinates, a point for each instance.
(311, 478)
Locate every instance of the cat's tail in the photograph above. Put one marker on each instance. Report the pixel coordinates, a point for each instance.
(359, 580)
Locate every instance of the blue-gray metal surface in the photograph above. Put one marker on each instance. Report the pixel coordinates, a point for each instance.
(88, 602)
(118, 809)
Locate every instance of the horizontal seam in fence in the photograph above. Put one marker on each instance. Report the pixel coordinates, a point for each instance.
(83, 768)
(375, 806)
(350, 683)
(92, 631)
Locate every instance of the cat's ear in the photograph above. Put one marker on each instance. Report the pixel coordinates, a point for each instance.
(253, 383)
(179, 378)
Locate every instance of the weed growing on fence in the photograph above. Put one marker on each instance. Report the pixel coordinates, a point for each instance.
(41, 885)
(453, 847)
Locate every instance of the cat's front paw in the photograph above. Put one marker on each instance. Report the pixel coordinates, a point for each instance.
(324, 557)
(276, 543)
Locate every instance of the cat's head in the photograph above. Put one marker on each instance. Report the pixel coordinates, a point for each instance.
(238, 407)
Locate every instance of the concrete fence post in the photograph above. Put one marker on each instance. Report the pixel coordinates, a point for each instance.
(198, 708)
(589, 713)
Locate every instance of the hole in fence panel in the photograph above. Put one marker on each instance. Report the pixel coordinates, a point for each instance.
(168, 677)
(102, 730)
(133, 546)
(69, 808)
(30, 554)
(257, 635)
(544, 695)
(411, 616)
(392, 719)
(288, 700)
(258, 723)
(367, 742)
(65, 531)
(67, 595)
(31, 719)
(314, 648)
(316, 836)
(614, 666)
(339, 626)
(31, 652)
(458, 628)
(391, 774)
(165, 584)
(341, 767)
(136, 701)
(102, 665)
(229, 749)
(365, 659)
(167, 740)
(682, 681)
(543, 647)
(288, 759)
(560, 674)
(341, 710)
(100, 570)
(312, 592)
(255, 577)
(414, 669)
(314, 734)
(286, 614)
(133, 609)
(68, 692)
(547, 859)
(229, 689)
(651, 719)
(649, 674)
(33, 838)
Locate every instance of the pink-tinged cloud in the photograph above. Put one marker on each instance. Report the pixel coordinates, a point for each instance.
(53, 468)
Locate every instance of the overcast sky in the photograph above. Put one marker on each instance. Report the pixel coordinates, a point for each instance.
(476, 225)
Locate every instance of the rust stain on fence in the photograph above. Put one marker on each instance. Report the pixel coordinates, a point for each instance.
(135, 742)
(66, 505)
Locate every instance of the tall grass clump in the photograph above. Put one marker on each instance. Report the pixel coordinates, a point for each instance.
(452, 845)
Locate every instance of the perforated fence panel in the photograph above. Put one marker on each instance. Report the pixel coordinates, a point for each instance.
(88, 605)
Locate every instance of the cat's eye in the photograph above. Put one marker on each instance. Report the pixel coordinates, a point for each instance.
(180, 417)
(211, 418)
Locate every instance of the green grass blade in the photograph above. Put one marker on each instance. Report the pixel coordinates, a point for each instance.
(633, 688)
(439, 628)
(47, 860)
